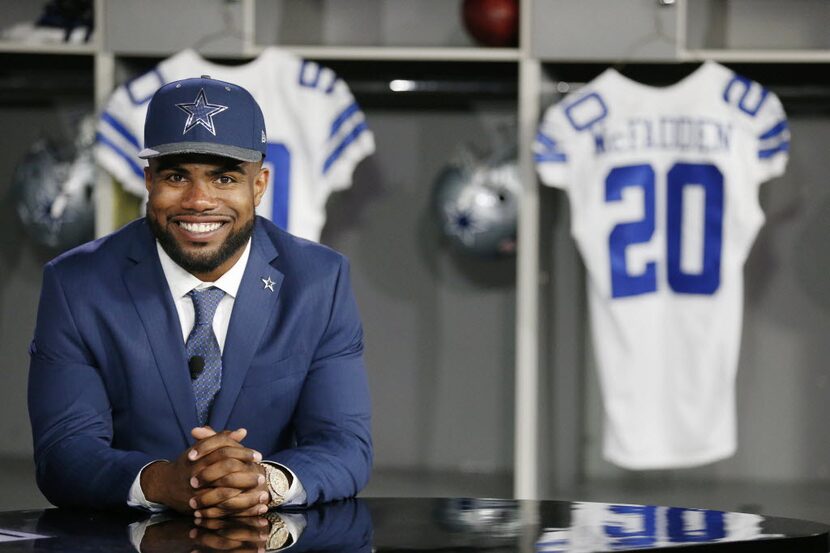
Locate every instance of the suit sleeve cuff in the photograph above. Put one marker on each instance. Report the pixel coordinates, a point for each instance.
(137, 499)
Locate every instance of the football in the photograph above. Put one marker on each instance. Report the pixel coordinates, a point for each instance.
(492, 22)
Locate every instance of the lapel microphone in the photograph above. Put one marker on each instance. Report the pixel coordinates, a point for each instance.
(196, 365)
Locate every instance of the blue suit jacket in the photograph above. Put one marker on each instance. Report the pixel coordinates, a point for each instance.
(109, 388)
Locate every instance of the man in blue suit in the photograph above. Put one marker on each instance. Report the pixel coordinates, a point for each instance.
(161, 347)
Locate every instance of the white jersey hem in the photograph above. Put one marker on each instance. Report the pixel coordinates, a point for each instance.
(637, 462)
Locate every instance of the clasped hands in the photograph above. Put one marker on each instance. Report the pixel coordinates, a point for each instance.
(216, 477)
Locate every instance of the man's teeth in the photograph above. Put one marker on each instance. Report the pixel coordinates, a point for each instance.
(199, 227)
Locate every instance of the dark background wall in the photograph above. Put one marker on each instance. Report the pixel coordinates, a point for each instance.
(61, 88)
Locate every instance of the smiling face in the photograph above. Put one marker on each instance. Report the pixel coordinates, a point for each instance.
(201, 209)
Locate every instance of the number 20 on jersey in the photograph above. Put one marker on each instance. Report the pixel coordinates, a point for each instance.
(678, 178)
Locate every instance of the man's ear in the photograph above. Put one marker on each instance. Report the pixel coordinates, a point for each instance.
(148, 179)
(261, 183)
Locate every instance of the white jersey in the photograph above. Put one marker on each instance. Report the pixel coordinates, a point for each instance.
(663, 188)
(316, 131)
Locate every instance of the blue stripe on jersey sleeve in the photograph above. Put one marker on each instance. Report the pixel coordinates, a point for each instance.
(550, 149)
(775, 130)
(120, 128)
(139, 172)
(343, 117)
(351, 137)
(769, 152)
(550, 156)
(545, 140)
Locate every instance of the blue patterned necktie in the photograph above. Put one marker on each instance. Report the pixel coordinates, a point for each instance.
(202, 343)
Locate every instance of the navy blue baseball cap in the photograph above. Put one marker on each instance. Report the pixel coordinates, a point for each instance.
(204, 116)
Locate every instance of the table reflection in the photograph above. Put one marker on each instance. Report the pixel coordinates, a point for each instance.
(402, 525)
(610, 527)
(580, 527)
(342, 526)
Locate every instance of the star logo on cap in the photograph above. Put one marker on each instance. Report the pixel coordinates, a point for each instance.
(201, 112)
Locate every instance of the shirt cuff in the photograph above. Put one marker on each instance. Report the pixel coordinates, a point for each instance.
(137, 499)
(136, 530)
(296, 492)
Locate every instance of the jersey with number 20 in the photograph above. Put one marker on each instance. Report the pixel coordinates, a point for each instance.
(663, 188)
(317, 133)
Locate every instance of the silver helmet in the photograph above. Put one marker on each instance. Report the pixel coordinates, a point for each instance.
(476, 201)
(52, 190)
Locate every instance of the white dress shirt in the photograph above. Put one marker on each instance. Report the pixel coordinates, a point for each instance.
(181, 283)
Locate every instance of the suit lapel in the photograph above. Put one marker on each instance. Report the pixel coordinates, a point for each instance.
(151, 296)
(253, 308)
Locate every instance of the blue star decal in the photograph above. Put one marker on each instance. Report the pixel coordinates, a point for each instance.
(201, 112)
(462, 223)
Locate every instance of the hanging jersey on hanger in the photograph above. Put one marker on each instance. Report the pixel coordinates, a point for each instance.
(663, 188)
(317, 132)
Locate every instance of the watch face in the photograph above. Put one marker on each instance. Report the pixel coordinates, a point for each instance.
(277, 485)
(278, 535)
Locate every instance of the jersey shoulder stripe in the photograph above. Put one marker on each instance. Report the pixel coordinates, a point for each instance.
(782, 148)
(775, 130)
(128, 159)
(120, 128)
(338, 151)
(546, 149)
(775, 140)
(343, 117)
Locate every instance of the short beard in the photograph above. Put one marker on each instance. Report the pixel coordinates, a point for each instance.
(200, 263)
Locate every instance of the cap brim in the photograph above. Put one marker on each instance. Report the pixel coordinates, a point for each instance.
(234, 152)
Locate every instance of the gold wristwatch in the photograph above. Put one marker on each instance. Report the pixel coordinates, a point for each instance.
(278, 535)
(277, 485)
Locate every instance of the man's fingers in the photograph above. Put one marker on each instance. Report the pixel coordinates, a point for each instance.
(253, 522)
(218, 502)
(242, 480)
(257, 499)
(207, 475)
(217, 513)
(202, 432)
(223, 461)
(216, 441)
(212, 496)
(209, 541)
(239, 434)
(238, 532)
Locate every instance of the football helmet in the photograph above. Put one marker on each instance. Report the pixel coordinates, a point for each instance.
(476, 201)
(52, 188)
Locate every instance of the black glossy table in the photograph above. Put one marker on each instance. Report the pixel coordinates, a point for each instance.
(385, 525)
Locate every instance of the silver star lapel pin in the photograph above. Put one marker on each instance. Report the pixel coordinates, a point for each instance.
(269, 284)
